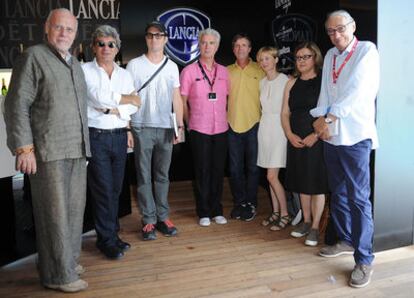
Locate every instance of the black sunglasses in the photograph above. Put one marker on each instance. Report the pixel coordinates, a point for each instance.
(150, 35)
(110, 44)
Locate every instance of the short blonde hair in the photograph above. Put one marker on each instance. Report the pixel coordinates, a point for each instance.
(274, 52)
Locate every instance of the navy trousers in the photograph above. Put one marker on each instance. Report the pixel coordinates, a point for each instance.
(244, 172)
(351, 209)
(106, 170)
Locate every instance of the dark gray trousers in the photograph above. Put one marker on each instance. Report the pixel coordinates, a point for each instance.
(59, 195)
(153, 150)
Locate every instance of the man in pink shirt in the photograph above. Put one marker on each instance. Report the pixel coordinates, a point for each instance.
(204, 89)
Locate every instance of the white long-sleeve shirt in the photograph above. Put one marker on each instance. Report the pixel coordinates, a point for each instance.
(352, 98)
(105, 92)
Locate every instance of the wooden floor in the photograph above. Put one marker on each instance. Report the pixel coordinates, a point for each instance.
(240, 259)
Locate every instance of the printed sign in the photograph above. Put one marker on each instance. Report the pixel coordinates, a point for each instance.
(183, 25)
(283, 5)
(288, 31)
(22, 23)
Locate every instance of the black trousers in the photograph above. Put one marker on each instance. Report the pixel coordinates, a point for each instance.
(209, 156)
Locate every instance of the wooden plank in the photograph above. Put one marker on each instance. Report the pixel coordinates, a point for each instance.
(240, 259)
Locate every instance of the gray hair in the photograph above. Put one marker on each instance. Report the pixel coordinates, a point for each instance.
(209, 31)
(106, 31)
(340, 13)
(62, 9)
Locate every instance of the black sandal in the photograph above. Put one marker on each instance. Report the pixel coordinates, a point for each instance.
(283, 223)
(273, 218)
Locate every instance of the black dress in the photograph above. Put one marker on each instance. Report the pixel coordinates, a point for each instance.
(305, 167)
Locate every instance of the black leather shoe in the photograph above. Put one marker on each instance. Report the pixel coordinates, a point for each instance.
(124, 246)
(111, 252)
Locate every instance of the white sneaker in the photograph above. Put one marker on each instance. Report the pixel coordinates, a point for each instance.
(75, 286)
(220, 220)
(79, 269)
(204, 222)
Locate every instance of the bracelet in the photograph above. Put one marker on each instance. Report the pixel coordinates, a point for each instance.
(180, 126)
(128, 129)
(24, 150)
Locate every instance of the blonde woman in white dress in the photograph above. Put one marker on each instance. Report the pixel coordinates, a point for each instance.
(271, 138)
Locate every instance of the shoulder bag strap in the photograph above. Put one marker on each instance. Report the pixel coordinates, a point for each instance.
(154, 74)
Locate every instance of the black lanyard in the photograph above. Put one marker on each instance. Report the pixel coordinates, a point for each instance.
(211, 83)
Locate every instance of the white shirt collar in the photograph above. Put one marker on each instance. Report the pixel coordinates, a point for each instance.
(348, 48)
(95, 63)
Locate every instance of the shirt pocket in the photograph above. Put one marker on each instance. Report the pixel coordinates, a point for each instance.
(200, 88)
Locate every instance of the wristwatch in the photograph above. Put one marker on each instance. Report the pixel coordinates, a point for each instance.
(328, 120)
(107, 111)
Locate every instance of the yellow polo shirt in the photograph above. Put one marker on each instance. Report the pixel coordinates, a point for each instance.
(244, 98)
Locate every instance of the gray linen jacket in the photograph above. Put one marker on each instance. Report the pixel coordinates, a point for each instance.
(46, 106)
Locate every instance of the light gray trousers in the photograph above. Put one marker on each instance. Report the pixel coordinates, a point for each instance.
(59, 195)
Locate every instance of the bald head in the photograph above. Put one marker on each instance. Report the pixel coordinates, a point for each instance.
(60, 28)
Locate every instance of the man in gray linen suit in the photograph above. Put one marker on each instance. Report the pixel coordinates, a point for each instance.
(45, 115)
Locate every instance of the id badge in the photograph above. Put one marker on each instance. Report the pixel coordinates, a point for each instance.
(212, 96)
(334, 91)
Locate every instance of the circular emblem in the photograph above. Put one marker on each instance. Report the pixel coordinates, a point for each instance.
(183, 26)
(288, 31)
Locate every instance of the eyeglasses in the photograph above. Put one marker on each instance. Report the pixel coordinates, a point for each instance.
(110, 44)
(150, 35)
(59, 28)
(339, 29)
(303, 58)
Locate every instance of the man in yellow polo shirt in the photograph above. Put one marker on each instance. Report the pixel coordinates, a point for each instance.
(243, 116)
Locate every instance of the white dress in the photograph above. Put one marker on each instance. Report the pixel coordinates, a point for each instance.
(271, 138)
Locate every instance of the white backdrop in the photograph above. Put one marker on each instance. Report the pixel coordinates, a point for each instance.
(6, 158)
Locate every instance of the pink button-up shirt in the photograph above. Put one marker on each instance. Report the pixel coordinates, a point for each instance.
(206, 116)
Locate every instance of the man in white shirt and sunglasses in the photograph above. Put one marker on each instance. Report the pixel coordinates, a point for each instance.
(154, 131)
(111, 101)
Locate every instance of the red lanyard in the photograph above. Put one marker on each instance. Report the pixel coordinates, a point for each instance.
(335, 75)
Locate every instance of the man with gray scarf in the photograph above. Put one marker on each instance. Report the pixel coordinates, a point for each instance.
(46, 123)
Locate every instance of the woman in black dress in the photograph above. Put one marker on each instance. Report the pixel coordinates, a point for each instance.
(305, 167)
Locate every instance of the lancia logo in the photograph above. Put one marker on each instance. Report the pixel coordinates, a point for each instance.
(183, 25)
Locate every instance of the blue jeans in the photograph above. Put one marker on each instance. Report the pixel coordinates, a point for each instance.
(244, 173)
(153, 149)
(351, 209)
(106, 170)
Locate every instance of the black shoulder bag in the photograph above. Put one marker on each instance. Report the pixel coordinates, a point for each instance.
(154, 74)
